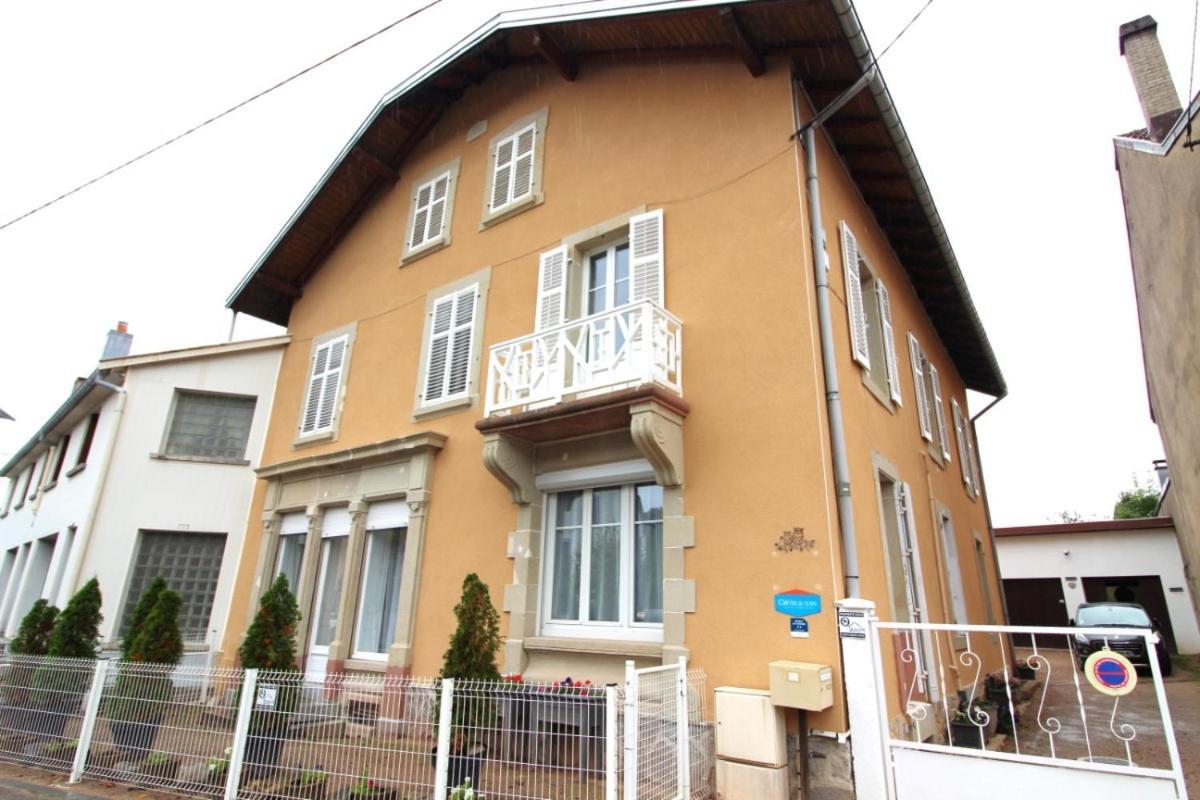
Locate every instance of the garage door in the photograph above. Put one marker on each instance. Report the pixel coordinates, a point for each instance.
(1036, 602)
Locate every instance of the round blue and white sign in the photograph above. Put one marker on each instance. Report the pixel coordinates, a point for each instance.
(1110, 673)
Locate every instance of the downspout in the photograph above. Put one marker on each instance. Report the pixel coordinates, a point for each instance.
(83, 535)
(833, 401)
(987, 510)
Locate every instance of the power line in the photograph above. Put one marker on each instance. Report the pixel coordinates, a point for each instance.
(221, 115)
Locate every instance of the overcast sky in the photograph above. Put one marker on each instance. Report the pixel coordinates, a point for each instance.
(1011, 108)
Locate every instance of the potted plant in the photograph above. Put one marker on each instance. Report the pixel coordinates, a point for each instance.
(987, 712)
(465, 792)
(1024, 671)
(471, 657)
(135, 707)
(966, 730)
(58, 691)
(216, 770)
(160, 765)
(309, 785)
(270, 646)
(32, 639)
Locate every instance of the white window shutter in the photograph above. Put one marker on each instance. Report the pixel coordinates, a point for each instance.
(320, 402)
(552, 289)
(973, 454)
(502, 173)
(859, 343)
(960, 433)
(939, 410)
(420, 216)
(646, 257)
(522, 182)
(458, 377)
(889, 341)
(437, 207)
(918, 369)
(316, 383)
(333, 379)
(439, 348)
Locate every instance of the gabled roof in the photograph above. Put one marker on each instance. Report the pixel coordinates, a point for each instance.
(828, 51)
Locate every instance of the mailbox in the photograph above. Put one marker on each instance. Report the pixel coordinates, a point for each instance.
(799, 684)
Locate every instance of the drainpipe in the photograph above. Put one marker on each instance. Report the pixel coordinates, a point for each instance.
(833, 401)
(987, 510)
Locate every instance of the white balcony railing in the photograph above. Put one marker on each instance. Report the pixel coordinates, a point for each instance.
(618, 349)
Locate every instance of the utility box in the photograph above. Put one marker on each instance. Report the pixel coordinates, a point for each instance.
(749, 727)
(799, 684)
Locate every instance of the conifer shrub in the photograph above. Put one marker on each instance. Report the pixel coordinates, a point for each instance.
(270, 647)
(141, 693)
(58, 690)
(77, 629)
(270, 642)
(140, 612)
(33, 637)
(471, 656)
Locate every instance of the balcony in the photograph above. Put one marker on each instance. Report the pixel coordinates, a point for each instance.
(626, 347)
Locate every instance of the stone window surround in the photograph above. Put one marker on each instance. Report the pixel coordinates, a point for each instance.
(482, 280)
(410, 253)
(656, 431)
(535, 197)
(410, 460)
(162, 455)
(350, 332)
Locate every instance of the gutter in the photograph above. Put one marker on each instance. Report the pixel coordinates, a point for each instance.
(853, 30)
(93, 381)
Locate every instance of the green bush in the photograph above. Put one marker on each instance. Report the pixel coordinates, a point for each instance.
(140, 612)
(138, 694)
(472, 655)
(77, 629)
(33, 637)
(270, 645)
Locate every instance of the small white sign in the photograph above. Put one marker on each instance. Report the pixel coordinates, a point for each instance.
(267, 694)
(852, 624)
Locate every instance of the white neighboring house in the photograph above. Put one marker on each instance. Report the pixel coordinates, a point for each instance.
(1048, 570)
(146, 469)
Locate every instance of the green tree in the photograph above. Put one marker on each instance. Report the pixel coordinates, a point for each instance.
(270, 641)
(140, 612)
(473, 646)
(77, 629)
(137, 700)
(33, 637)
(1140, 501)
(157, 639)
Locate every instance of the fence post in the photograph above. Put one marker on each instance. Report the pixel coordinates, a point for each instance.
(88, 725)
(631, 731)
(868, 727)
(445, 718)
(610, 742)
(241, 731)
(683, 735)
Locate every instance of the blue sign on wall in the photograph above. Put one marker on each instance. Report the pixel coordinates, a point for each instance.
(798, 603)
(799, 627)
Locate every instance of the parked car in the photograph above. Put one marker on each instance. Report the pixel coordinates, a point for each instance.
(1119, 615)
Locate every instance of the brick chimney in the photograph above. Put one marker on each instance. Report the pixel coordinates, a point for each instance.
(118, 342)
(1151, 78)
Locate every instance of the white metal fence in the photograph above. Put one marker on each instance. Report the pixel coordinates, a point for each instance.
(624, 346)
(232, 733)
(960, 709)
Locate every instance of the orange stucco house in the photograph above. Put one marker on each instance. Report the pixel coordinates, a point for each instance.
(554, 319)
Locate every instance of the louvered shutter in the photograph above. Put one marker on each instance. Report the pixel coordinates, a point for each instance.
(939, 410)
(960, 433)
(918, 369)
(439, 348)
(522, 182)
(859, 344)
(973, 455)
(458, 379)
(889, 341)
(316, 382)
(420, 216)
(502, 173)
(552, 289)
(437, 208)
(324, 381)
(646, 257)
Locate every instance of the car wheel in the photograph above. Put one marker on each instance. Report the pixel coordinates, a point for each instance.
(1165, 666)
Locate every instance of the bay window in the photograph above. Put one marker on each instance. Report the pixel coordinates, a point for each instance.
(604, 563)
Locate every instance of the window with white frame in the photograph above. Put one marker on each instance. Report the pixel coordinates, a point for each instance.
(958, 597)
(931, 409)
(869, 311)
(383, 564)
(213, 426)
(432, 209)
(450, 346)
(603, 557)
(335, 532)
(326, 375)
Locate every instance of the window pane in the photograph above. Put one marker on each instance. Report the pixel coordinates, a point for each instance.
(381, 590)
(621, 279)
(210, 426)
(334, 552)
(291, 554)
(605, 574)
(647, 568)
(570, 510)
(565, 604)
(606, 506)
(597, 283)
(648, 503)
